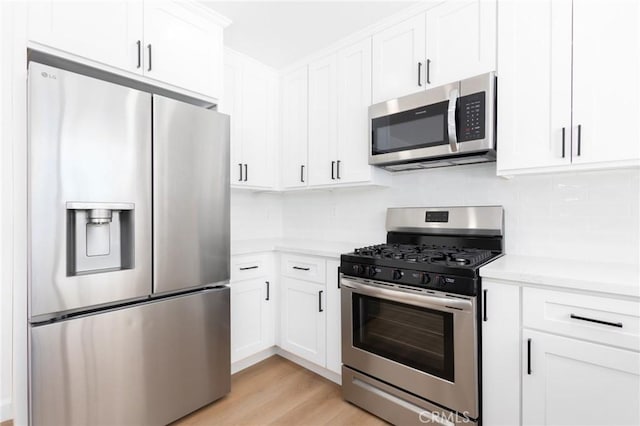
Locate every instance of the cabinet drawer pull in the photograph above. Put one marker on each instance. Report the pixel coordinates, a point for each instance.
(420, 74)
(338, 169)
(428, 71)
(240, 165)
(300, 268)
(249, 267)
(529, 356)
(320, 301)
(302, 173)
(579, 139)
(267, 282)
(246, 172)
(149, 48)
(139, 44)
(484, 305)
(338, 277)
(333, 165)
(597, 321)
(563, 140)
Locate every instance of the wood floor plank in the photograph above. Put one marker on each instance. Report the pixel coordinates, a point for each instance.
(279, 392)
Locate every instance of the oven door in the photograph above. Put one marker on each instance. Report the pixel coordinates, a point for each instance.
(423, 343)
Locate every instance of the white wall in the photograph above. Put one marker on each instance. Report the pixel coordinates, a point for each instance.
(587, 215)
(255, 215)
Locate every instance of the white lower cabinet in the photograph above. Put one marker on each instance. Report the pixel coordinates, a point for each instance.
(500, 354)
(557, 358)
(334, 330)
(573, 382)
(303, 319)
(253, 305)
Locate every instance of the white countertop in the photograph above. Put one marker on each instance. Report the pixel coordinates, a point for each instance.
(308, 247)
(612, 278)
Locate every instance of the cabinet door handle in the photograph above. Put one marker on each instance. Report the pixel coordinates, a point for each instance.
(240, 165)
(564, 131)
(302, 173)
(267, 282)
(149, 48)
(246, 172)
(579, 139)
(338, 169)
(484, 305)
(529, 356)
(420, 74)
(428, 71)
(320, 301)
(139, 44)
(246, 268)
(338, 277)
(300, 268)
(333, 164)
(597, 321)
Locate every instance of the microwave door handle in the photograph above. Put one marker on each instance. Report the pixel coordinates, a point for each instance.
(451, 120)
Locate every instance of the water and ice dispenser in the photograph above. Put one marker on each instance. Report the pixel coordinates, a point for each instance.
(100, 237)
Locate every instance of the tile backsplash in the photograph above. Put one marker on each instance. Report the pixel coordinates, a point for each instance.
(585, 215)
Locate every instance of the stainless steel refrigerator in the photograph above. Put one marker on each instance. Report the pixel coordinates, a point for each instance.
(128, 253)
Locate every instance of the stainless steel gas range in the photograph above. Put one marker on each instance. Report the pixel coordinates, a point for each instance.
(410, 316)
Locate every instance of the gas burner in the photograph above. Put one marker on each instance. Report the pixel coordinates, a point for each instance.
(426, 254)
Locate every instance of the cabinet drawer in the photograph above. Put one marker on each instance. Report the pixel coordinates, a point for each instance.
(304, 267)
(249, 266)
(599, 319)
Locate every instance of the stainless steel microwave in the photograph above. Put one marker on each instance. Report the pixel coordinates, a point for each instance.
(445, 126)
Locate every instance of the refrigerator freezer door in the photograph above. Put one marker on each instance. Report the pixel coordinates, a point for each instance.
(191, 196)
(89, 191)
(145, 365)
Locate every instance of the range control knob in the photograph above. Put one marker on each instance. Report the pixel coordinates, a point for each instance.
(372, 271)
(425, 278)
(397, 274)
(358, 269)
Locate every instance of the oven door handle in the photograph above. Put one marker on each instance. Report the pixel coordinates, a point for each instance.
(423, 300)
(451, 120)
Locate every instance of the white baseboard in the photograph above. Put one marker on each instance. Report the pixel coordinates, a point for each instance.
(253, 359)
(6, 410)
(321, 371)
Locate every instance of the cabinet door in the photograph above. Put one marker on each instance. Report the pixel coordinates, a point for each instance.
(334, 346)
(500, 354)
(534, 76)
(461, 40)
(231, 104)
(103, 31)
(323, 118)
(573, 382)
(302, 316)
(183, 48)
(354, 98)
(258, 118)
(294, 129)
(252, 317)
(397, 53)
(606, 80)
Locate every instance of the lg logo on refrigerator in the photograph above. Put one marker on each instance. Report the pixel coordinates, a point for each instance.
(47, 75)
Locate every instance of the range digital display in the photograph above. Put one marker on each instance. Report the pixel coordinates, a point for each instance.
(441, 217)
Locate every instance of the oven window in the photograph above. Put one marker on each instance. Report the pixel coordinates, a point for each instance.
(417, 128)
(418, 337)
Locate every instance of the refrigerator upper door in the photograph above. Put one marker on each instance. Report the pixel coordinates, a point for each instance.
(191, 196)
(89, 191)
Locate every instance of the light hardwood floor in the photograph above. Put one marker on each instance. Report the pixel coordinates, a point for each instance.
(279, 392)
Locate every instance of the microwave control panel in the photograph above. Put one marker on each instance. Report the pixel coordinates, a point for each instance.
(471, 117)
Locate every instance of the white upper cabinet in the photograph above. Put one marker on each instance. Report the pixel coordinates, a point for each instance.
(103, 31)
(460, 41)
(174, 42)
(398, 59)
(323, 102)
(451, 41)
(606, 80)
(567, 93)
(183, 47)
(294, 129)
(250, 98)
